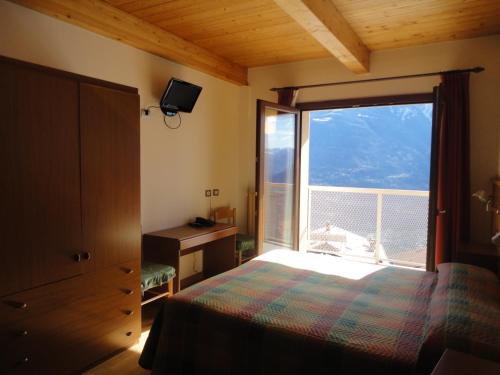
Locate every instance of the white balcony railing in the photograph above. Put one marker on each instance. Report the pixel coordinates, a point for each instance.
(382, 225)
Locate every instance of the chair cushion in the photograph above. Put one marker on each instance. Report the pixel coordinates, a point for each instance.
(155, 274)
(244, 242)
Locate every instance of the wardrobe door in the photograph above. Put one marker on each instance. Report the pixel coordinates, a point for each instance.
(40, 214)
(109, 121)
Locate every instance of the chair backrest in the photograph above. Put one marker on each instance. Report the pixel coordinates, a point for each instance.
(251, 212)
(227, 214)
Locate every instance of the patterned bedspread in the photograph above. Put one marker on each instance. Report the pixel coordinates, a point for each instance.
(279, 314)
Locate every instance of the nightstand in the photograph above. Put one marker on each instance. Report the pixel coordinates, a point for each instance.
(487, 256)
(458, 363)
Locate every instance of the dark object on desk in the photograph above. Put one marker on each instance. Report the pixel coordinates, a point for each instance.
(217, 242)
(458, 363)
(201, 222)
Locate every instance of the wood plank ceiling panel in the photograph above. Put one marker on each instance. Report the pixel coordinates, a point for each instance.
(247, 32)
(110, 21)
(383, 24)
(258, 32)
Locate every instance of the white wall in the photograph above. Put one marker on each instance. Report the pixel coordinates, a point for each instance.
(176, 165)
(484, 94)
(215, 148)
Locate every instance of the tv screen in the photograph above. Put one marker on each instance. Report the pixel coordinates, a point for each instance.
(179, 96)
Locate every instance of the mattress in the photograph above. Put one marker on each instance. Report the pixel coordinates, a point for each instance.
(292, 313)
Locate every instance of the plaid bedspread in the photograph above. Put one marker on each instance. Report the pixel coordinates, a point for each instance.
(268, 318)
(464, 314)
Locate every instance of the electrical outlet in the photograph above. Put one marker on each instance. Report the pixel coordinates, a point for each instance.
(208, 193)
(215, 192)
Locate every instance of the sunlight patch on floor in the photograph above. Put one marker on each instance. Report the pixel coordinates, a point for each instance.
(142, 340)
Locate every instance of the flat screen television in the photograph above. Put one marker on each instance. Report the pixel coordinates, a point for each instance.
(179, 96)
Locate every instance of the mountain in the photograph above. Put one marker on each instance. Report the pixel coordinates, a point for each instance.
(373, 147)
(280, 161)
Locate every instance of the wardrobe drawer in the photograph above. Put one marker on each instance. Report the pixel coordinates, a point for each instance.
(98, 294)
(71, 316)
(57, 357)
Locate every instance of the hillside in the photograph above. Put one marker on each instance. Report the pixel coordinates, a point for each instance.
(375, 147)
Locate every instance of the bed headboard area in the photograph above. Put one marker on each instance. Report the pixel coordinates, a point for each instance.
(496, 200)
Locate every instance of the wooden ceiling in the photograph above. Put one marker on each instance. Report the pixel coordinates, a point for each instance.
(384, 24)
(238, 34)
(258, 32)
(249, 32)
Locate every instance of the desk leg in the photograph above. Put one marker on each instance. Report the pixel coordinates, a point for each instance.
(218, 256)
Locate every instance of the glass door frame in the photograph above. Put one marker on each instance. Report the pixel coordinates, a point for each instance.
(262, 105)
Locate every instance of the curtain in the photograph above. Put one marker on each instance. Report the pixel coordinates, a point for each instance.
(287, 96)
(453, 167)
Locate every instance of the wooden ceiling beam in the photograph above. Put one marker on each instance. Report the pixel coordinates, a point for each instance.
(104, 19)
(325, 23)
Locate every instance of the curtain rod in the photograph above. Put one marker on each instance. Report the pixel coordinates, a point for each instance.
(477, 69)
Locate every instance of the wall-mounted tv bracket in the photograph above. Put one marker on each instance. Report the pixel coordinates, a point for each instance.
(147, 112)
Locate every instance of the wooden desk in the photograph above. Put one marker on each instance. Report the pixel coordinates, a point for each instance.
(458, 363)
(167, 246)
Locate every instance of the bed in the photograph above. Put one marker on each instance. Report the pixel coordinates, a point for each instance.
(287, 312)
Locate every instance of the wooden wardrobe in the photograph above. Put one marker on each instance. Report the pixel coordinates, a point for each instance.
(69, 219)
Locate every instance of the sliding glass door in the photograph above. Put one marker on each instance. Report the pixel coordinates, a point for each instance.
(277, 176)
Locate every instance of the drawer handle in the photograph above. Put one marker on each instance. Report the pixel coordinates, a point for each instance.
(129, 292)
(23, 361)
(77, 257)
(129, 312)
(23, 333)
(21, 305)
(129, 270)
(86, 255)
(129, 333)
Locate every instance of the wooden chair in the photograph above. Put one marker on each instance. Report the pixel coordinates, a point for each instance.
(245, 244)
(153, 277)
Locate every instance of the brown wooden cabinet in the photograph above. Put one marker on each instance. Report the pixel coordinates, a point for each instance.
(109, 121)
(40, 215)
(70, 219)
